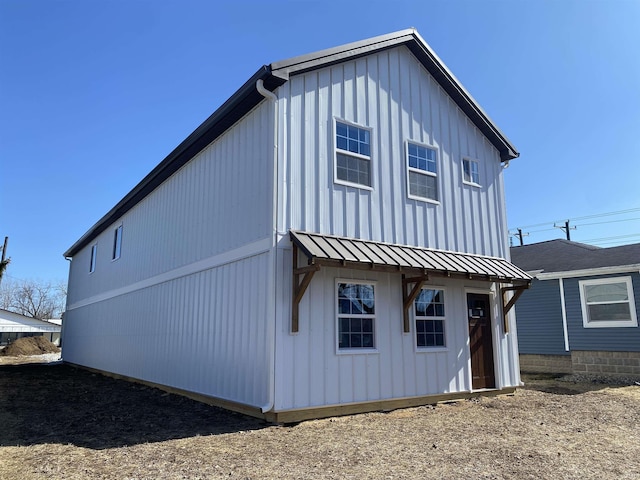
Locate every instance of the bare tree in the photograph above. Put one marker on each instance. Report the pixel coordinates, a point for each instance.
(42, 300)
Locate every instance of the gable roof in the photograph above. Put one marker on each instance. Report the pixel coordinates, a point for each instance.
(15, 322)
(566, 256)
(275, 75)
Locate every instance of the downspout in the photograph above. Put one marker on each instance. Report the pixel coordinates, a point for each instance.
(271, 334)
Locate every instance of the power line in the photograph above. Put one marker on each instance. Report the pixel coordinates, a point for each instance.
(586, 217)
(604, 239)
(610, 221)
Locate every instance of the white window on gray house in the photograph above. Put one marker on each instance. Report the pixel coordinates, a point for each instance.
(117, 243)
(470, 171)
(422, 172)
(353, 155)
(608, 302)
(92, 261)
(430, 318)
(356, 315)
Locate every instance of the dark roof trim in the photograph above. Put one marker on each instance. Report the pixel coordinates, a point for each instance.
(238, 105)
(276, 74)
(434, 65)
(352, 252)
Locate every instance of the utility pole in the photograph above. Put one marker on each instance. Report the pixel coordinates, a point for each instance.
(566, 228)
(520, 236)
(5, 261)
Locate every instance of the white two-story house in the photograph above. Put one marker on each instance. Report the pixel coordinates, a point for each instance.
(331, 240)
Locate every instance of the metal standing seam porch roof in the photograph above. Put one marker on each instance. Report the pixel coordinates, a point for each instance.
(276, 74)
(342, 251)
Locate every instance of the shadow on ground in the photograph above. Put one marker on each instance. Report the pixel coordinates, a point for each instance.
(57, 403)
(560, 384)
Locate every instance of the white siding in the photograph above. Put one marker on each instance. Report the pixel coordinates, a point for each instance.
(189, 302)
(218, 201)
(391, 93)
(310, 372)
(204, 333)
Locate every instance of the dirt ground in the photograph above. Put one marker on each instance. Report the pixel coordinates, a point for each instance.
(58, 422)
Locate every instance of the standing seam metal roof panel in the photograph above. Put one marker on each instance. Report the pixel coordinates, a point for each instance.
(363, 251)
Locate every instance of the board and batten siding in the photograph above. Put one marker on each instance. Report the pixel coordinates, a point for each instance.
(217, 202)
(391, 93)
(310, 371)
(188, 303)
(539, 314)
(621, 339)
(205, 333)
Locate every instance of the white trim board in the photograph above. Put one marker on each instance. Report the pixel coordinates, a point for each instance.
(246, 251)
(587, 272)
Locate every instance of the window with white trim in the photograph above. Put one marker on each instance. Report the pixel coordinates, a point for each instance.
(470, 171)
(430, 318)
(608, 302)
(356, 315)
(422, 172)
(353, 155)
(117, 243)
(92, 261)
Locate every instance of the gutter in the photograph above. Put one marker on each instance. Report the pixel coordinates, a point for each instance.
(271, 333)
(587, 272)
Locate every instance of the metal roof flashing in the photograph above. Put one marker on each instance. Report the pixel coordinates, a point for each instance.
(275, 75)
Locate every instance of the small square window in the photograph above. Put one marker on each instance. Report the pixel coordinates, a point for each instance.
(470, 171)
(353, 154)
(356, 316)
(608, 302)
(422, 172)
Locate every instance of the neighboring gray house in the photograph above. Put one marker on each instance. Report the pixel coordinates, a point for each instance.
(14, 326)
(581, 312)
(331, 240)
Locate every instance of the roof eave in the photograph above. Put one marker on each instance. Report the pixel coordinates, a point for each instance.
(427, 57)
(240, 103)
(274, 75)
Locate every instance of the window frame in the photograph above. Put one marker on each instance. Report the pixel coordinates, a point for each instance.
(419, 171)
(116, 251)
(349, 153)
(93, 258)
(434, 348)
(586, 323)
(338, 316)
(471, 161)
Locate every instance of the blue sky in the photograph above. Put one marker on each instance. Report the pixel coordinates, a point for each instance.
(93, 94)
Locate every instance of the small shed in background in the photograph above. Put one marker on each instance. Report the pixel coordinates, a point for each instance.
(14, 326)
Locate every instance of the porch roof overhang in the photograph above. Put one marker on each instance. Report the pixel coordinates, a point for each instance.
(418, 262)
(337, 251)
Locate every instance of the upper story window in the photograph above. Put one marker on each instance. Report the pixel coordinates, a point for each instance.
(430, 318)
(117, 243)
(470, 172)
(356, 315)
(92, 261)
(353, 155)
(422, 172)
(608, 302)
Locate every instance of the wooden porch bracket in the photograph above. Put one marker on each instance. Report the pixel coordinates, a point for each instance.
(407, 299)
(518, 290)
(299, 287)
